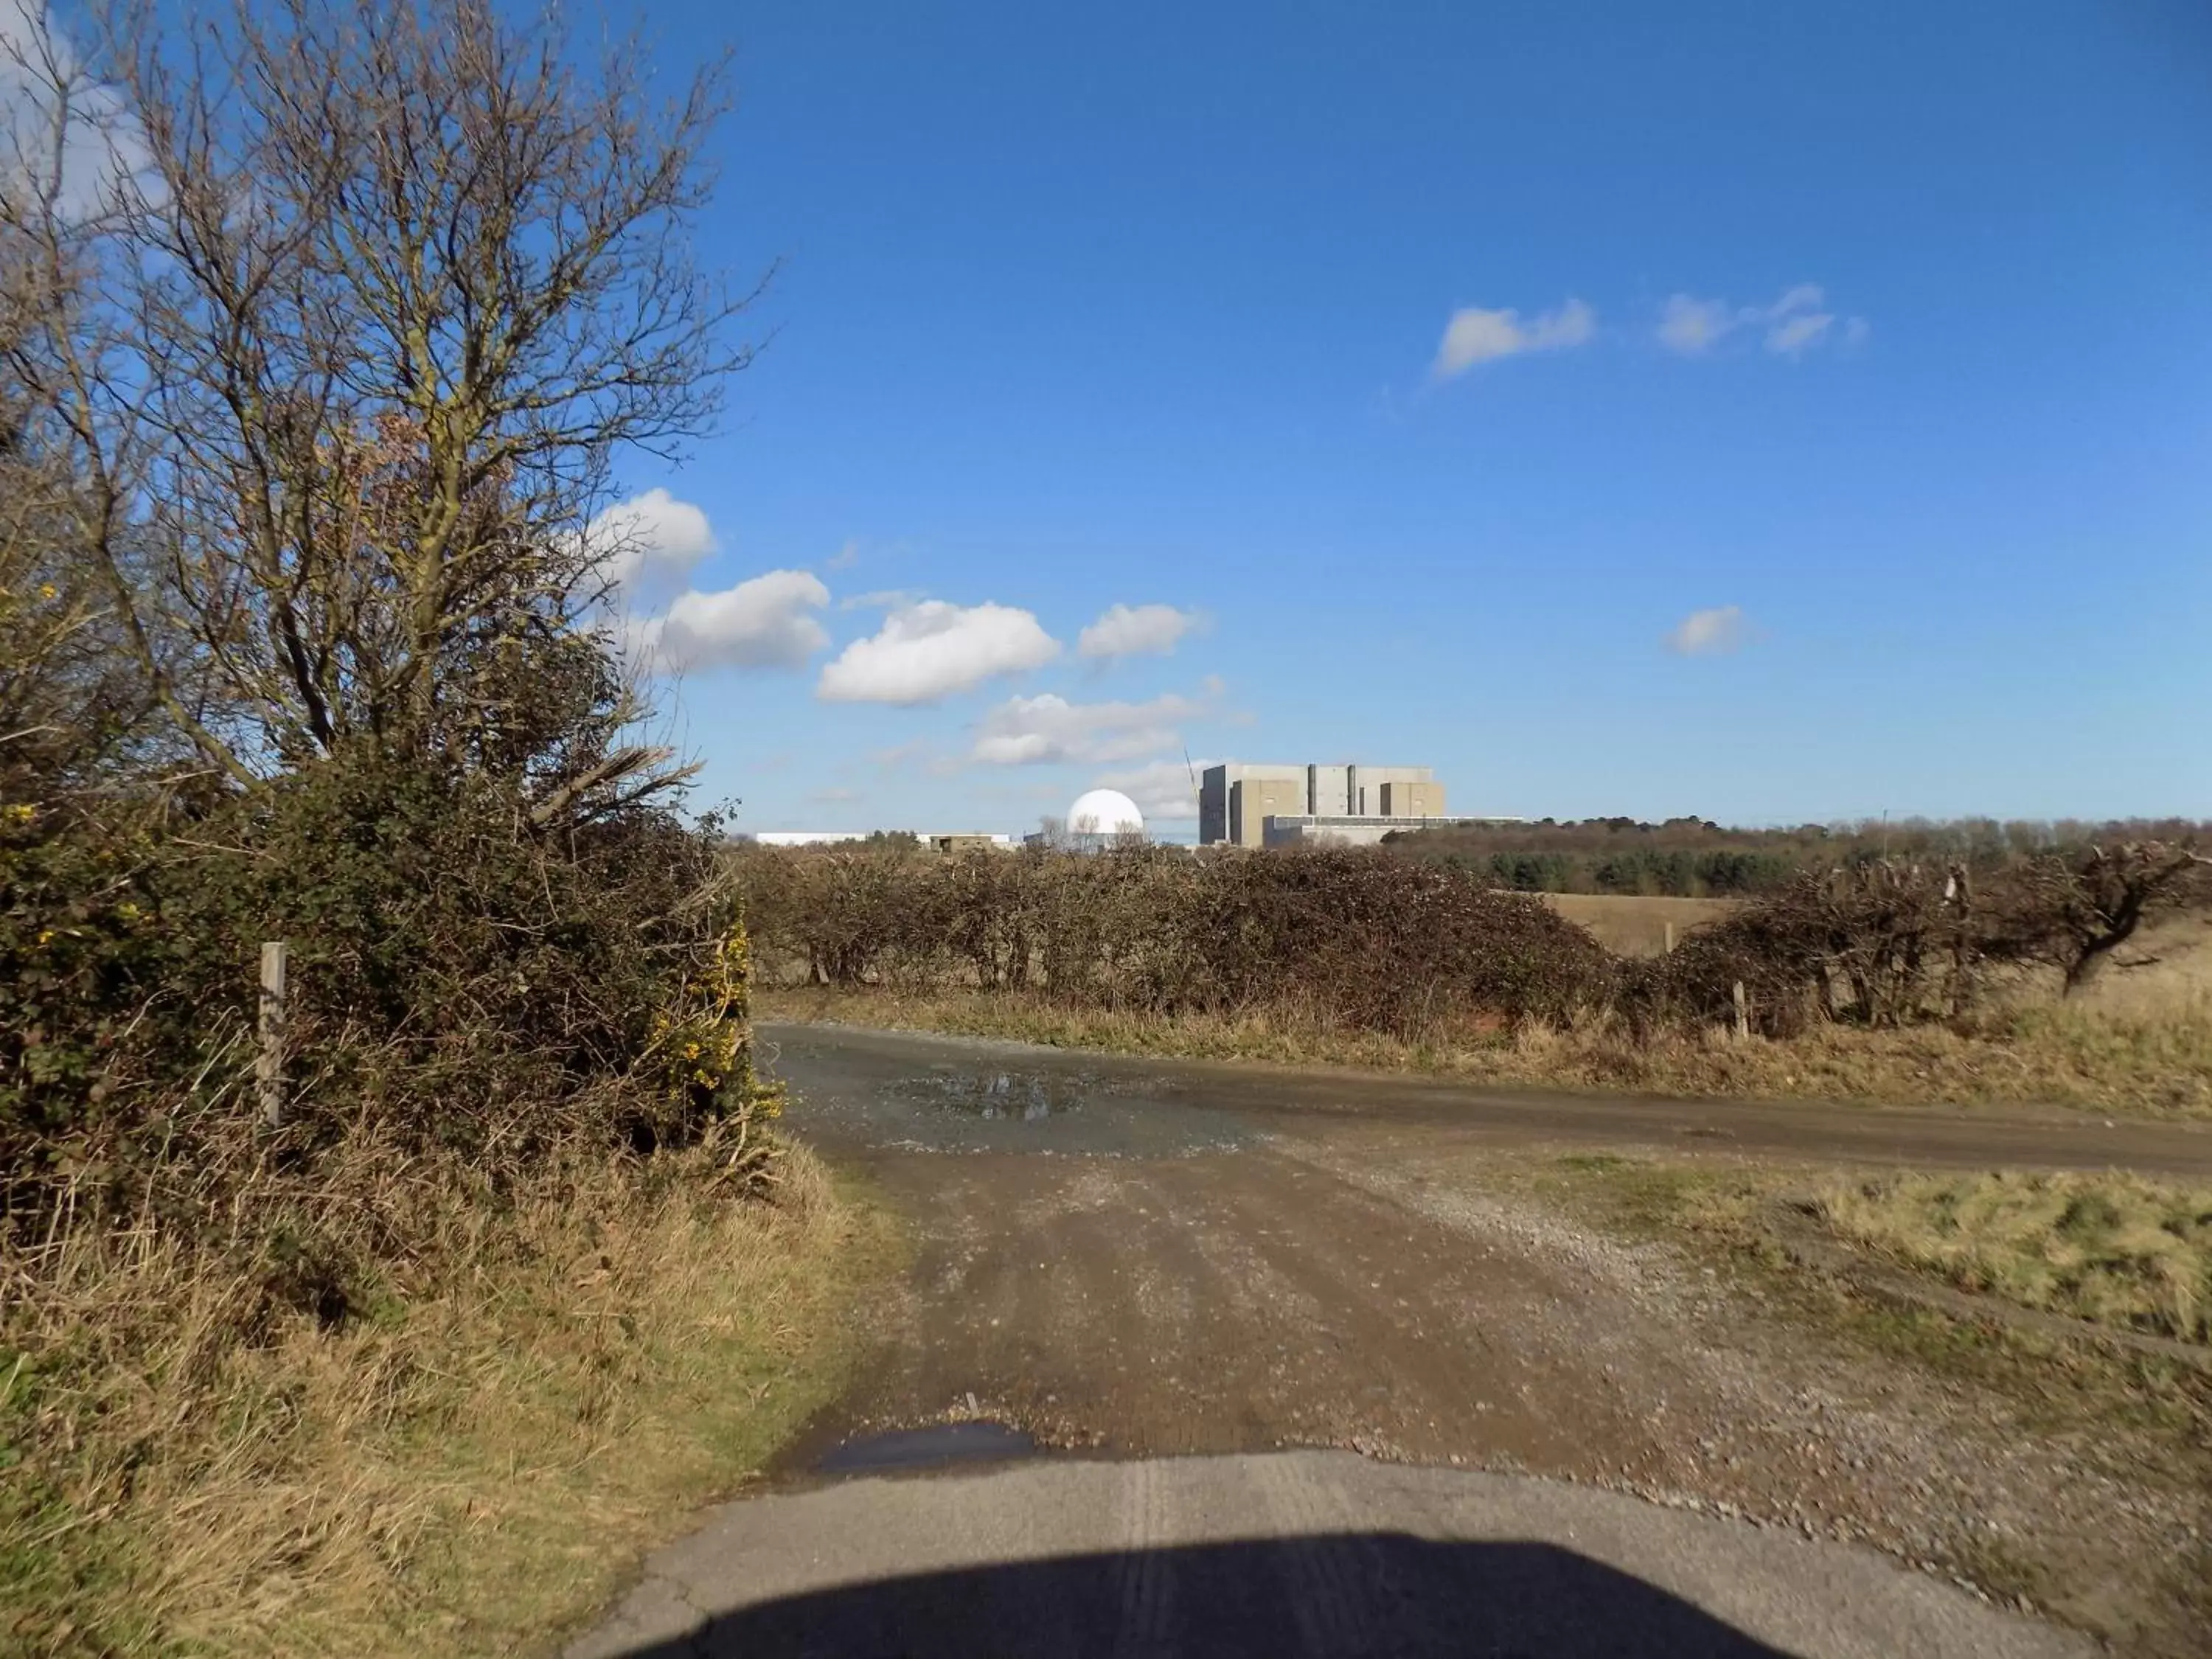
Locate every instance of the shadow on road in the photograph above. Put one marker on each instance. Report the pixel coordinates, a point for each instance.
(1340, 1594)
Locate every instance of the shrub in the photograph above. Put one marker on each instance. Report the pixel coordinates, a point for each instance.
(1380, 943)
(461, 982)
(1376, 941)
(301, 639)
(298, 611)
(1695, 858)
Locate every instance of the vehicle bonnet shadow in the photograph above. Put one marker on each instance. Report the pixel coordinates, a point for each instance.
(1335, 1595)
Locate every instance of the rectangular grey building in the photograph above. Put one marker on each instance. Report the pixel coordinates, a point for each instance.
(1366, 787)
(1328, 789)
(1236, 799)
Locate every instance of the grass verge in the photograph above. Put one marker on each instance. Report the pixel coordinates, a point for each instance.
(2134, 1425)
(2115, 1249)
(1800, 1241)
(2150, 1065)
(550, 1383)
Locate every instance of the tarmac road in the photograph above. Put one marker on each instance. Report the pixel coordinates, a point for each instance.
(1294, 1554)
(1157, 1307)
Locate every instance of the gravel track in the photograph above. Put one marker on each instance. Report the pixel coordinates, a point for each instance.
(1133, 1261)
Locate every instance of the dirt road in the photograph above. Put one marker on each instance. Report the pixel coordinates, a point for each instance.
(1142, 1260)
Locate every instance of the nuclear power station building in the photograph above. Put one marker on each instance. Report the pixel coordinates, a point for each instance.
(1250, 806)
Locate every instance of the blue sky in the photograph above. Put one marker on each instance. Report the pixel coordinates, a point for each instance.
(1454, 377)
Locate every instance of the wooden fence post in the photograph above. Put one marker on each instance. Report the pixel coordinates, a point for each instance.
(1742, 1013)
(1670, 939)
(269, 1063)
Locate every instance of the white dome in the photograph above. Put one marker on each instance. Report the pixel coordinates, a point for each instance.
(1105, 812)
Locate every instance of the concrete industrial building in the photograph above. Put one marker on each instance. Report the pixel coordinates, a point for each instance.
(1236, 799)
(1246, 805)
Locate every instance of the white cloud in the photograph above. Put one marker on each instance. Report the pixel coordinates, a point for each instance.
(1035, 730)
(1711, 633)
(1162, 790)
(1793, 336)
(103, 149)
(646, 544)
(764, 623)
(929, 650)
(1474, 336)
(1125, 630)
(882, 598)
(648, 537)
(1690, 326)
(1792, 324)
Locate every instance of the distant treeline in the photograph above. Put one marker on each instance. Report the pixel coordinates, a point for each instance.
(1696, 857)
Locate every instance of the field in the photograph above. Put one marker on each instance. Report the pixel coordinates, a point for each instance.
(2173, 975)
(1631, 925)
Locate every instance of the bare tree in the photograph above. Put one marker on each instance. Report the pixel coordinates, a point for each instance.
(370, 298)
(70, 701)
(2073, 911)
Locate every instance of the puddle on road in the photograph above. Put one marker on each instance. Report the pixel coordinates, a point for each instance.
(975, 1441)
(1002, 1096)
(993, 1102)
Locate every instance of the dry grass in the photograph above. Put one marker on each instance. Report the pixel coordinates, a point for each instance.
(2115, 1248)
(1631, 925)
(546, 1386)
(2155, 1064)
(2167, 966)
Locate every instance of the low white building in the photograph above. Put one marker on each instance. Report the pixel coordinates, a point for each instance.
(1350, 829)
(945, 841)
